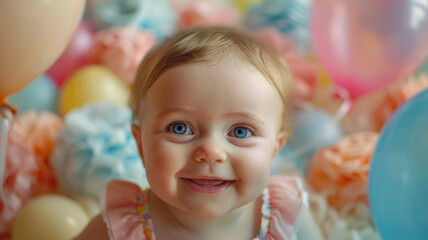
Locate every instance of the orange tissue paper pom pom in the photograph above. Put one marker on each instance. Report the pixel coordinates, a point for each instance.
(205, 12)
(341, 170)
(19, 181)
(38, 131)
(121, 49)
(28, 172)
(397, 95)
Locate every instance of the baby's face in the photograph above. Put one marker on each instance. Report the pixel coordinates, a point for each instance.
(208, 135)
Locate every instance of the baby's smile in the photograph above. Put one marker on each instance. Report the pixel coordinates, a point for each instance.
(208, 185)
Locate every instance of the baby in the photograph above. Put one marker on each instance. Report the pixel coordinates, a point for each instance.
(210, 116)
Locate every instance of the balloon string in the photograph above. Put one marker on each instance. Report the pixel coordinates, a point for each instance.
(340, 113)
(6, 116)
(345, 107)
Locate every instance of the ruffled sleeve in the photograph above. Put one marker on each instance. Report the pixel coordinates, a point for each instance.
(124, 216)
(287, 201)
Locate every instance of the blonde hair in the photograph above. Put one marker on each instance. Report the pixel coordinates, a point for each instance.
(211, 44)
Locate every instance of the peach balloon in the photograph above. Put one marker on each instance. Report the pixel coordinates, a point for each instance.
(33, 33)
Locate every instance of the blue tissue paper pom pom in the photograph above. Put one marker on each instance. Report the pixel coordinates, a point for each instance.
(96, 146)
(157, 16)
(290, 17)
(286, 15)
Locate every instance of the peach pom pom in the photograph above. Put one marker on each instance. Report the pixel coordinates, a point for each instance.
(121, 49)
(19, 181)
(204, 12)
(395, 96)
(341, 171)
(28, 171)
(38, 131)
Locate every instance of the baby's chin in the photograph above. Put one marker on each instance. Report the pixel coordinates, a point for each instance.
(212, 212)
(207, 212)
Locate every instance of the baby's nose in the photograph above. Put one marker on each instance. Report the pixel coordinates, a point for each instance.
(209, 150)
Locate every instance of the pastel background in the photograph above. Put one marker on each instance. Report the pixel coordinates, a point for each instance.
(359, 108)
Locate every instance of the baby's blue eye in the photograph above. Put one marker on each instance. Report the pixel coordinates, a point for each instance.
(180, 128)
(241, 132)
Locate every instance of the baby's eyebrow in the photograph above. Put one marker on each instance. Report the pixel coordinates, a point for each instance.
(176, 110)
(246, 115)
(190, 110)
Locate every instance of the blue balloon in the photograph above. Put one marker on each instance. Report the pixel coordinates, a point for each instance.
(398, 179)
(40, 95)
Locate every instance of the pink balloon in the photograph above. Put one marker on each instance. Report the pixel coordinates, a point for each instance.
(365, 45)
(75, 56)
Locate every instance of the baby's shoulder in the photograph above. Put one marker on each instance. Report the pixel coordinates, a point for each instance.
(126, 211)
(281, 183)
(287, 189)
(287, 200)
(119, 193)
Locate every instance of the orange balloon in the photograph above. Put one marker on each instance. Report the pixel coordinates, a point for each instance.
(33, 34)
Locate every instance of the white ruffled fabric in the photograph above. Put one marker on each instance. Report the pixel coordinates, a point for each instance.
(344, 225)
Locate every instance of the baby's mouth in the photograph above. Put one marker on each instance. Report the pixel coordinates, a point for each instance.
(208, 182)
(208, 185)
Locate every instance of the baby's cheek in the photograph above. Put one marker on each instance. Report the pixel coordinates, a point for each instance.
(258, 157)
(253, 169)
(167, 157)
(163, 163)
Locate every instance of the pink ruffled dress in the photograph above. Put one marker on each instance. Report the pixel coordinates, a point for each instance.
(127, 213)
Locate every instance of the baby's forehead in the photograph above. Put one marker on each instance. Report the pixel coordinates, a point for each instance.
(231, 62)
(227, 79)
(234, 68)
(212, 92)
(226, 76)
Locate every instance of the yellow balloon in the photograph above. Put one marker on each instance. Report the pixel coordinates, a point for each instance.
(33, 34)
(325, 80)
(91, 84)
(243, 5)
(49, 217)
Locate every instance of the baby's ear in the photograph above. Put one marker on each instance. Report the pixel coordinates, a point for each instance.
(281, 139)
(137, 135)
